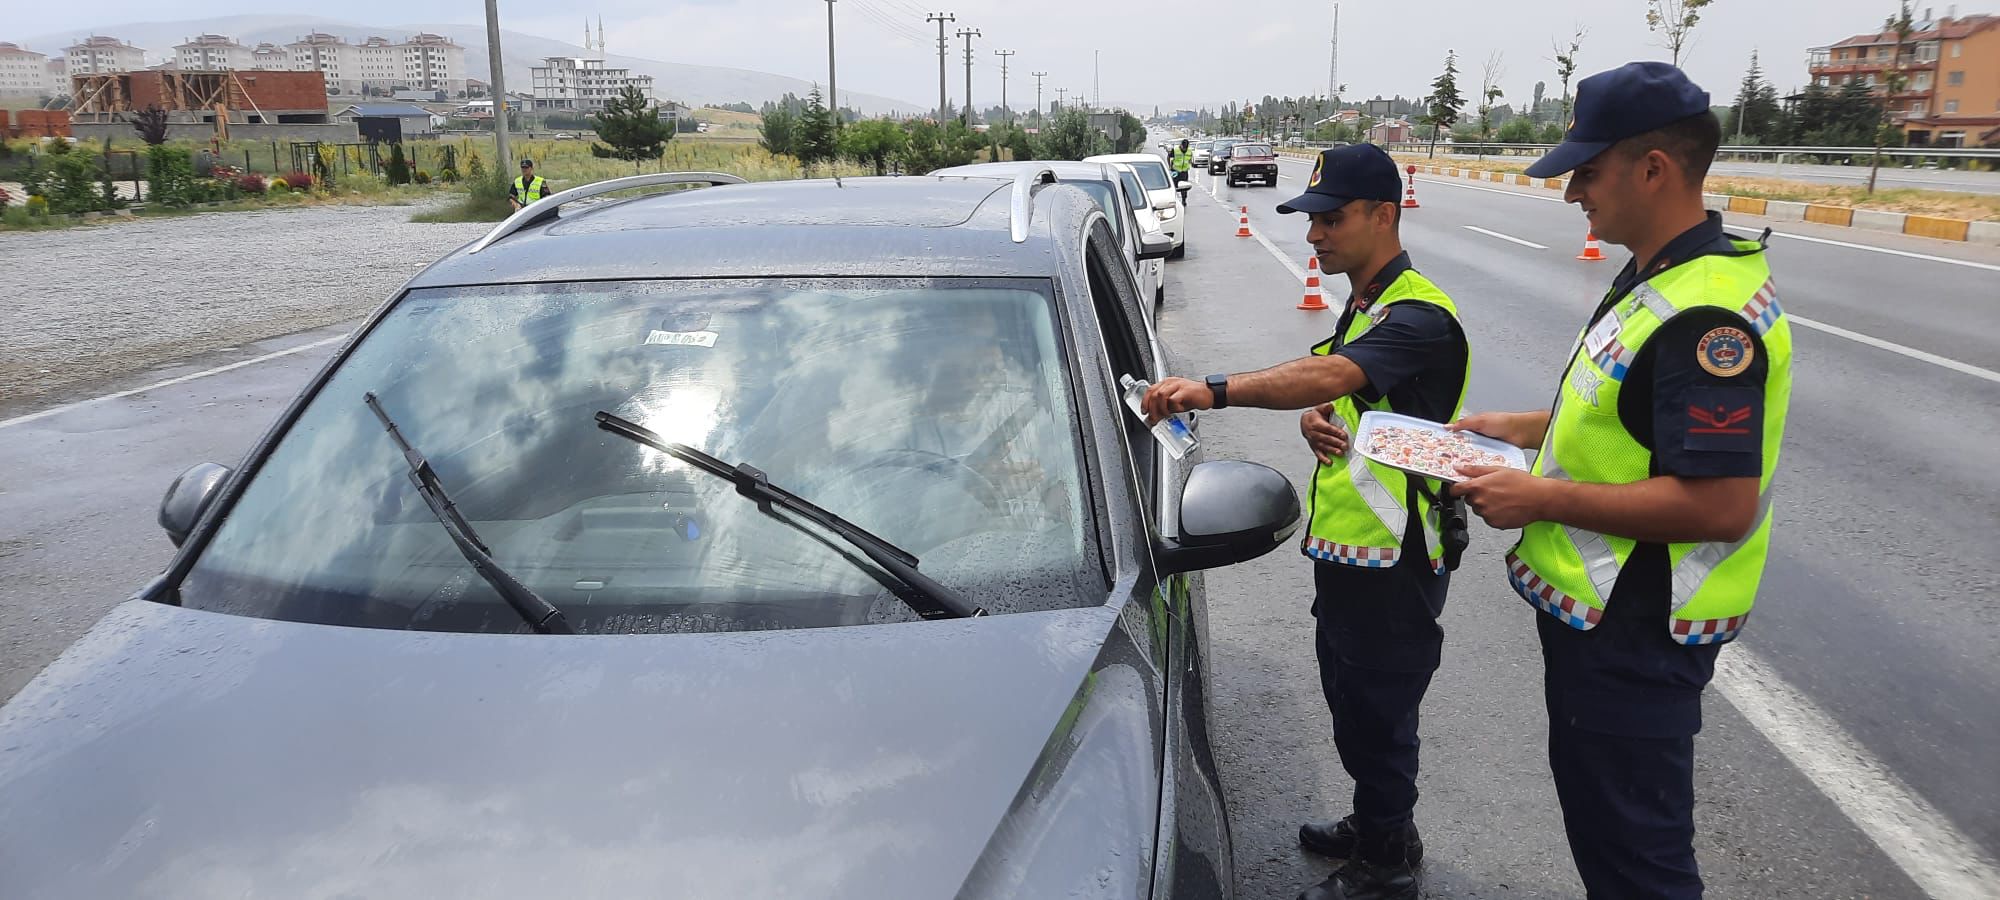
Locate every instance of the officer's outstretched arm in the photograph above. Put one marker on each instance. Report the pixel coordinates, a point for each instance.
(1303, 382)
(1667, 509)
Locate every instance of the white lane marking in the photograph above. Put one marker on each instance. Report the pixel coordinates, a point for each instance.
(1942, 862)
(1474, 187)
(1505, 237)
(1923, 256)
(1796, 237)
(58, 410)
(1893, 347)
(1277, 254)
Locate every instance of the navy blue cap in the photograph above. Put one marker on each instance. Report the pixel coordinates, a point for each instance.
(1360, 172)
(1625, 102)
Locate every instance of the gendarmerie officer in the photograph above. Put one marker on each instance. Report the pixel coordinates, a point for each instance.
(1647, 518)
(1379, 563)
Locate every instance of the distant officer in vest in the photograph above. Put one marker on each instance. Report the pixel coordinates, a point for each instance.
(1182, 160)
(1647, 518)
(1379, 567)
(528, 188)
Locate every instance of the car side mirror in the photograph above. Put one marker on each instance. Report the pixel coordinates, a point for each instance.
(188, 497)
(1155, 245)
(1231, 512)
(1183, 187)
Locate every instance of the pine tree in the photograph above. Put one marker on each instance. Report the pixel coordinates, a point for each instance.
(1444, 100)
(814, 140)
(632, 126)
(1742, 118)
(778, 130)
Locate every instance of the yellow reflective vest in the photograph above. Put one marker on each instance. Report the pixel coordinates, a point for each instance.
(529, 190)
(1359, 510)
(1182, 160)
(1569, 572)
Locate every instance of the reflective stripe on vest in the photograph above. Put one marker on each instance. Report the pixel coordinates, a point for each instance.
(1568, 572)
(1357, 514)
(530, 191)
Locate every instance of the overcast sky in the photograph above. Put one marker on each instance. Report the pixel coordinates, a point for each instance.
(1163, 51)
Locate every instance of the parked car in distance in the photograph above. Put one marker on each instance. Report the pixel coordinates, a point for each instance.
(1169, 205)
(1251, 161)
(1218, 159)
(1203, 150)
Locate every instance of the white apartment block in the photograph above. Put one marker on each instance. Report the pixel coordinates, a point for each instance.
(24, 73)
(377, 65)
(270, 57)
(99, 55)
(569, 82)
(212, 53)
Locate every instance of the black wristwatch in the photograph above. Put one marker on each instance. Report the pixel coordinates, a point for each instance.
(1219, 386)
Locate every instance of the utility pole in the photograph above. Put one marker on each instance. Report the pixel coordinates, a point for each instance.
(1096, 95)
(943, 45)
(1038, 96)
(501, 157)
(968, 34)
(1003, 54)
(1062, 98)
(1333, 67)
(832, 86)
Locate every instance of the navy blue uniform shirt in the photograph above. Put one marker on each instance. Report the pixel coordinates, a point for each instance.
(1414, 357)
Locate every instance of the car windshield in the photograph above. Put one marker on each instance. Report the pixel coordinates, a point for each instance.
(1154, 175)
(1250, 150)
(935, 413)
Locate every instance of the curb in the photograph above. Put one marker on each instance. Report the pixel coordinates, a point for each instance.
(1963, 230)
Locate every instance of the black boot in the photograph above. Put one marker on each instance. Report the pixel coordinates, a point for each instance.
(1381, 871)
(1337, 839)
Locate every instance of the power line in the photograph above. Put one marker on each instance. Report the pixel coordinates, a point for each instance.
(893, 27)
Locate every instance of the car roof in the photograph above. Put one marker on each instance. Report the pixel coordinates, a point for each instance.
(1063, 169)
(899, 226)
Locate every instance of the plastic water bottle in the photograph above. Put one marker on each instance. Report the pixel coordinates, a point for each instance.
(1172, 432)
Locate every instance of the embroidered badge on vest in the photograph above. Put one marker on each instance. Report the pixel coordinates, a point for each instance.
(1725, 352)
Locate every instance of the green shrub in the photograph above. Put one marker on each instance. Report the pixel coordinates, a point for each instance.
(71, 182)
(170, 175)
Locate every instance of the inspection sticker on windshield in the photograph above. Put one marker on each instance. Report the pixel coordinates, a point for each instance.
(682, 338)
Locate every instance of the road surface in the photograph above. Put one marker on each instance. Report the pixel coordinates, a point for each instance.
(1849, 744)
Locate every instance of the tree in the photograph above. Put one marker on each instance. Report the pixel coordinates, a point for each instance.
(1518, 130)
(814, 139)
(632, 126)
(1489, 91)
(399, 165)
(931, 147)
(1675, 21)
(1071, 136)
(1756, 115)
(1566, 67)
(1132, 134)
(874, 142)
(151, 123)
(777, 130)
(1020, 144)
(1893, 82)
(1444, 100)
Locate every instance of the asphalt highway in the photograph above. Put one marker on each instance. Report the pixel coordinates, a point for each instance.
(1849, 748)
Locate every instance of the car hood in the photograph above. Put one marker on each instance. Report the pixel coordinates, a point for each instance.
(182, 753)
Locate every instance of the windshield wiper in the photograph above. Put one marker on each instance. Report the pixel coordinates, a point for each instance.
(924, 594)
(540, 613)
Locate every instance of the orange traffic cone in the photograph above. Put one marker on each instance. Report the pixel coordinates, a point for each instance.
(1410, 193)
(1590, 253)
(1243, 224)
(1313, 300)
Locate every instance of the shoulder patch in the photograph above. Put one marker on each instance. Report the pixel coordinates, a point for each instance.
(1725, 351)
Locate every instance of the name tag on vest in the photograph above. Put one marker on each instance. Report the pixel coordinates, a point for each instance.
(1602, 335)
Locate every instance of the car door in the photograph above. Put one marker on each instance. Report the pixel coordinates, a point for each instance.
(1194, 846)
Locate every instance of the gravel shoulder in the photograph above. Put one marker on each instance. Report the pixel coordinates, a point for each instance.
(90, 305)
